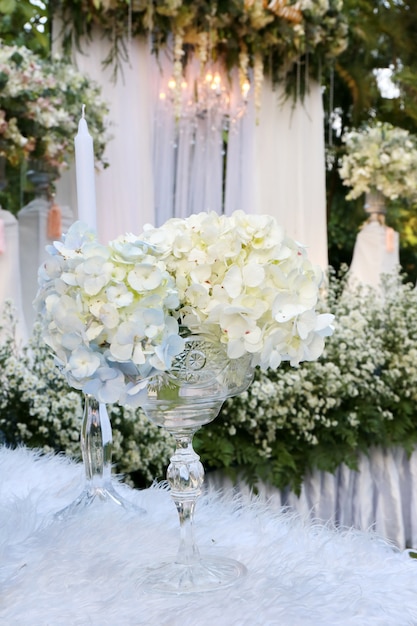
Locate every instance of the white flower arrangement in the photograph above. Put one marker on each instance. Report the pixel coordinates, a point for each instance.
(380, 158)
(360, 393)
(115, 315)
(40, 109)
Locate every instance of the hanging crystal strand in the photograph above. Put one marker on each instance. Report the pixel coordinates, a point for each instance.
(258, 77)
(96, 448)
(178, 71)
(203, 50)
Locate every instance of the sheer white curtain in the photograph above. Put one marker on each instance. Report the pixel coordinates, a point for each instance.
(240, 180)
(164, 145)
(288, 165)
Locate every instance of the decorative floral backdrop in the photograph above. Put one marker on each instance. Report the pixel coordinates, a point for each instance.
(243, 33)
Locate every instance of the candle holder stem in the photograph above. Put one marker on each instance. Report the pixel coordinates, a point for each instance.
(96, 447)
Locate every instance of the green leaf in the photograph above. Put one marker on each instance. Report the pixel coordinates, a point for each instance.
(3, 79)
(8, 6)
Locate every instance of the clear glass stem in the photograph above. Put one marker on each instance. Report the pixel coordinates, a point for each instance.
(96, 443)
(190, 572)
(185, 476)
(96, 448)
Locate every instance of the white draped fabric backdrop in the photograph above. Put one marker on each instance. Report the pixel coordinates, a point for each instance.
(273, 165)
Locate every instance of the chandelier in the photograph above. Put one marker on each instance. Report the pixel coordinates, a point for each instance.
(209, 95)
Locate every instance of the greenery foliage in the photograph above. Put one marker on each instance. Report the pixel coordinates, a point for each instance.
(280, 33)
(361, 393)
(381, 36)
(25, 23)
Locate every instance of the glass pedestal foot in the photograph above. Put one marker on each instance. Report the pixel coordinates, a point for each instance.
(98, 495)
(204, 574)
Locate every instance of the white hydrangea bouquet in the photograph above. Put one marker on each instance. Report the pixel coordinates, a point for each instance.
(380, 158)
(116, 314)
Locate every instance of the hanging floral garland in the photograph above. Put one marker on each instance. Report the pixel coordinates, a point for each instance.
(277, 36)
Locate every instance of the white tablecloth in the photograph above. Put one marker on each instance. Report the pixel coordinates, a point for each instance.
(88, 570)
(374, 254)
(380, 495)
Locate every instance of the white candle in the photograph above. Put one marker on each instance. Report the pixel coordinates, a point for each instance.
(84, 168)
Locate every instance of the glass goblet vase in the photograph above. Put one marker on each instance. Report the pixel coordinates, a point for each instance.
(183, 400)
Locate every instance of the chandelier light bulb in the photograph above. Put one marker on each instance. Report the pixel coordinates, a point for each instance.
(205, 95)
(245, 89)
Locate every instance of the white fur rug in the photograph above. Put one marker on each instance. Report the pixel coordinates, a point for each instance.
(87, 570)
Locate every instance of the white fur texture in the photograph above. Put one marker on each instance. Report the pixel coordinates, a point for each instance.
(87, 570)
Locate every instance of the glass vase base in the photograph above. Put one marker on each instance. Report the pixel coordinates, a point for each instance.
(202, 575)
(98, 495)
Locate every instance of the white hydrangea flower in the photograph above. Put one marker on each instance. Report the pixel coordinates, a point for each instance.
(241, 279)
(106, 312)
